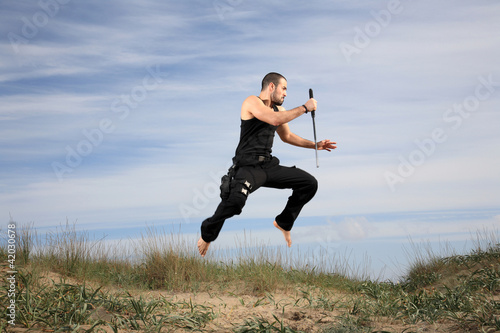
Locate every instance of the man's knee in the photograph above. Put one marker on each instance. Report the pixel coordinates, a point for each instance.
(308, 182)
(313, 185)
(307, 188)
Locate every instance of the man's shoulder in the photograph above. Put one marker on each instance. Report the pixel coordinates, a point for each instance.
(248, 106)
(252, 99)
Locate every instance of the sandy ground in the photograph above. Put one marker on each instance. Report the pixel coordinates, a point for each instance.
(230, 311)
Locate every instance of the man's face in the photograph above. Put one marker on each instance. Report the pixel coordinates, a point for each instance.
(279, 93)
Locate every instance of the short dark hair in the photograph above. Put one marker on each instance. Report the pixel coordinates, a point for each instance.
(271, 78)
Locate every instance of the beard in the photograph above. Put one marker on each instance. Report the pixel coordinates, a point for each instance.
(275, 99)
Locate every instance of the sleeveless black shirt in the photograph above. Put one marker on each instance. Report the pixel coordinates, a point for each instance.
(256, 139)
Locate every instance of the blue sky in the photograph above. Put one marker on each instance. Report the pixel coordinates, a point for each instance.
(120, 113)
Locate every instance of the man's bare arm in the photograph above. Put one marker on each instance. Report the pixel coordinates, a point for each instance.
(254, 107)
(287, 136)
(291, 138)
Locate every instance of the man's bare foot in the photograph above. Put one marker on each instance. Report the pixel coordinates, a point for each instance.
(288, 237)
(203, 246)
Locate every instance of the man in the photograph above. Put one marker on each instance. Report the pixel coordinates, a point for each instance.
(254, 166)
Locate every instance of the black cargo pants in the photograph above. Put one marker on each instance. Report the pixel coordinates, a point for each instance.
(267, 174)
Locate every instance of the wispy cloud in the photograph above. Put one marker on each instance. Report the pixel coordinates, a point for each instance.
(86, 65)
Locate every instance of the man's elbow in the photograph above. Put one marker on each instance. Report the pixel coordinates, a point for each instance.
(285, 138)
(276, 121)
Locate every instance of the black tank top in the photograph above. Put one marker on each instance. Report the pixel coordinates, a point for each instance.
(256, 139)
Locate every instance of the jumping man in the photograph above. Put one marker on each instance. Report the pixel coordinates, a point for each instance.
(254, 166)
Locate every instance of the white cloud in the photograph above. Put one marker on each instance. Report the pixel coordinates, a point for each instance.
(394, 92)
(153, 192)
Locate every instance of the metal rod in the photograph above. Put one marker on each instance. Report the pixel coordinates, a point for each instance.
(313, 115)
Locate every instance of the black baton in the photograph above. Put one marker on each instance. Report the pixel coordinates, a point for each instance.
(313, 115)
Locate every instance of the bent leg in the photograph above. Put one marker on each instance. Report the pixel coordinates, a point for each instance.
(247, 180)
(211, 227)
(304, 187)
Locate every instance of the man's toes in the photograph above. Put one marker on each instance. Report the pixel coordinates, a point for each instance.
(202, 247)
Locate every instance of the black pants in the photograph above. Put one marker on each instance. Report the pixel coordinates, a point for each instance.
(267, 174)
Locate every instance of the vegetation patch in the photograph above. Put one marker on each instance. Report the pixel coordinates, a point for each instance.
(67, 282)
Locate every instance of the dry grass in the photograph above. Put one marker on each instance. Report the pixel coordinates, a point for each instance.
(68, 281)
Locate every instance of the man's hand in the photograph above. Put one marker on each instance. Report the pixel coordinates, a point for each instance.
(311, 105)
(326, 145)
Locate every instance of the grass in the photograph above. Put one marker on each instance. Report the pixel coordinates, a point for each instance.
(67, 281)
